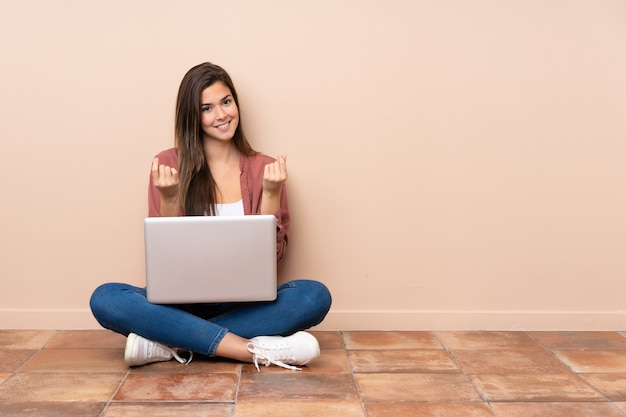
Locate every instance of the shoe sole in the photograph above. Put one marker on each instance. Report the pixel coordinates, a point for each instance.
(130, 347)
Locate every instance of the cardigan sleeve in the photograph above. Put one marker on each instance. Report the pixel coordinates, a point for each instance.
(252, 168)
(282, 225)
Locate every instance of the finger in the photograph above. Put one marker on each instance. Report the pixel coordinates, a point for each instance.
(277, 170)
(155, 169)
(282, 166)
(164, 174)
(173, 180)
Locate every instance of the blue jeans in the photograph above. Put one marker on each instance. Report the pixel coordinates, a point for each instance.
(125, 309)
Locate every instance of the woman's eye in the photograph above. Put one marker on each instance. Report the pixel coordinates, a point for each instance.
(206, 108)
(227, 101)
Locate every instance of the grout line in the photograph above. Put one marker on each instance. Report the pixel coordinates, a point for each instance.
(239, 375)
(37, 351)
(572, 371)
(467, 377)
(115, 391)
(356, 385)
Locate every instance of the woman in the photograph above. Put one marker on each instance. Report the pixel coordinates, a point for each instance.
(214, 171)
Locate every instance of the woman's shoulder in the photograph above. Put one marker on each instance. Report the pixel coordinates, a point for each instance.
(259, 159)
(168, 157)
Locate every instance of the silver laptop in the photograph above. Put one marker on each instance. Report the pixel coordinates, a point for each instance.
(206, 259)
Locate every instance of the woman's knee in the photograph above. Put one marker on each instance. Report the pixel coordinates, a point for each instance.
(107, 301)
(321, 293)
(315, 297)
(98, 297)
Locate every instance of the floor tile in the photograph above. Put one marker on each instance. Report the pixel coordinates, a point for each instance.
(12, 359)
(77, 360)
(611, 385)
(390, 340)
(509, 361)
(567, 409)
(267, 386)
(52, 409)
(328, 340)
(25, 339)
(534, 387)
(415, 388)
(60, 387)
(594, 361)
(164, 409)
(315, 408)
(178, 387)
(428, 374)
(402, 361)
(87, 339)
(330, 361)
(486, 340)
(621, 406)
(428, 410)
(580, 340)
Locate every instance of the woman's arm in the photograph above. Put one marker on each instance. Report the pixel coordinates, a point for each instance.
(163, 179)
(274, 176)
(272, 197)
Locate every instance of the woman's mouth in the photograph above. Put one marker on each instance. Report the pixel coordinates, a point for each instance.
(223, 126)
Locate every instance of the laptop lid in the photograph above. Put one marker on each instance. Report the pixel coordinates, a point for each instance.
(206, 259)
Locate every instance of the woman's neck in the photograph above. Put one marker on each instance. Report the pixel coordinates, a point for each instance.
(223, 153)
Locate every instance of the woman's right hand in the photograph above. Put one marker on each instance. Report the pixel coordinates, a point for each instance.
(165, 179)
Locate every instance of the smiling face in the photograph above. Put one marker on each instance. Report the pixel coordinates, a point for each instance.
(219, 113)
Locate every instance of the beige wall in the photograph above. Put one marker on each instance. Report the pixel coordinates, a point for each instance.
(453, 164)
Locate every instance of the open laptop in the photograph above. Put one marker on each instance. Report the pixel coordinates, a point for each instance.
(206, 259)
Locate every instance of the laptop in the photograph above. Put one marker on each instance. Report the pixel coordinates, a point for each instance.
(209, 259)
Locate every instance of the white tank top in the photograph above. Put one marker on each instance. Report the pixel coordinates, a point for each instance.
(230, 209)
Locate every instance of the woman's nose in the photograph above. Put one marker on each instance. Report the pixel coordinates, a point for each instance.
(219, 113)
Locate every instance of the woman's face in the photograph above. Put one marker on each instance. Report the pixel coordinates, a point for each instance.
(219, 113)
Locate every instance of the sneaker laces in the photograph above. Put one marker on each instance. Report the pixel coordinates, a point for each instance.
(183, 360)
(268, 357)
(159, 350)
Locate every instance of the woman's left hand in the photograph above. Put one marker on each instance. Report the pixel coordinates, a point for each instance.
(275, 175)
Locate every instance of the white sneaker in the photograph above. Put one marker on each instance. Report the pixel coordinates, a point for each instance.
(298, 349)
(140, 351)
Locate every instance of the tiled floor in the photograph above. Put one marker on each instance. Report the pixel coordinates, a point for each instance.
(364, 374)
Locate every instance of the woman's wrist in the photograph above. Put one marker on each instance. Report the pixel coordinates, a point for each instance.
(270, 203)
(169, 207)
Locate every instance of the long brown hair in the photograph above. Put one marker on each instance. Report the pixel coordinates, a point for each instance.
(198, 190)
